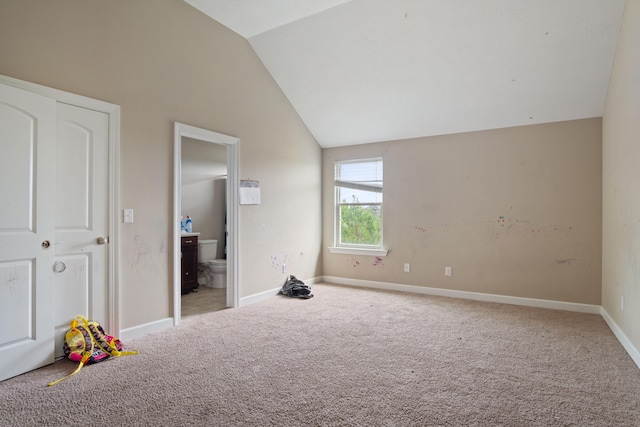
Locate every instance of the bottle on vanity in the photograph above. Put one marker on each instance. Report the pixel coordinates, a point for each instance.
(188, 225)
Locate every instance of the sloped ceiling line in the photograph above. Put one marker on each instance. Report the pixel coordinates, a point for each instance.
(364, 71)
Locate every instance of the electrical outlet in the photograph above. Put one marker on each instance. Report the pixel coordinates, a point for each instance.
(447, 271)
(284, 268)
(407, 267)
(622, 303)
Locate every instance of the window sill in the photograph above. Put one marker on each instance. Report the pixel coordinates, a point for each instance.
(358, 251)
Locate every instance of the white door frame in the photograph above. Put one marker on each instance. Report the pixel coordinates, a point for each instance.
(112, 322)
(233, 148)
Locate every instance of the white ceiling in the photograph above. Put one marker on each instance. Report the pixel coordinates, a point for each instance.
(360, 71)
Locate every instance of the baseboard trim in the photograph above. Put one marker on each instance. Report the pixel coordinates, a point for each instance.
(313, 280)
(477, 296)
(626, 343)
(145, 329)
(261, 296)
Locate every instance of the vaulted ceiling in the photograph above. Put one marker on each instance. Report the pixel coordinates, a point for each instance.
(360, 71)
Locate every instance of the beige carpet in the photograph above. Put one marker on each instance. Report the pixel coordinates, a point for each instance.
(349, 357)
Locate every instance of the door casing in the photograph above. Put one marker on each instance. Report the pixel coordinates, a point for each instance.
(233, 148)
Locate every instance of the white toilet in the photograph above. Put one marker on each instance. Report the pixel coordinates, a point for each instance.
(214, 270)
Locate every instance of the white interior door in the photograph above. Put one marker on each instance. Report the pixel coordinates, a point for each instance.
(81, 218)
(27, 173)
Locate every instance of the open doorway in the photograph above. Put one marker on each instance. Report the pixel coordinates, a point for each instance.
(203, 203)
(205, 161)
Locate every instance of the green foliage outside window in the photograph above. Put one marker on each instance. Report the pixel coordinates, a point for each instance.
(360, 224)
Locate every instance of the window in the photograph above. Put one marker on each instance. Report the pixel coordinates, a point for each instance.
(358, 213)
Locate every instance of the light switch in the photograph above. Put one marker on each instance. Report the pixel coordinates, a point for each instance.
(128, 215)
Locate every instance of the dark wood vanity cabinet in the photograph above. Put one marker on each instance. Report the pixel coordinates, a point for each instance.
(189, 263)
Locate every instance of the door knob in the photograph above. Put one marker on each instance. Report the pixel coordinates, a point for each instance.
(102, 240)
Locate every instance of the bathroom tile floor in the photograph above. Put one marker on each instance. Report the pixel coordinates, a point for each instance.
(203, 300)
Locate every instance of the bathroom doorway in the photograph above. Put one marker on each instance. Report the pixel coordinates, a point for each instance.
(204, 181)
(205, 188)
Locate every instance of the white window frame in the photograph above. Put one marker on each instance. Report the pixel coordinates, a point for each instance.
(352, 248)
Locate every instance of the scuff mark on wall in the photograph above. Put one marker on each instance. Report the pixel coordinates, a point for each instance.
(507, 226)
(378, 262)
(141, 259)
(277, 262)
(354, 262)
(160, 230)
(576, 255)
(274, 262)
(418, 234)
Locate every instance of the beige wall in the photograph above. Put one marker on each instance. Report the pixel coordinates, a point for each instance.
(621, 179)
(514, 211)
(163, 61)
